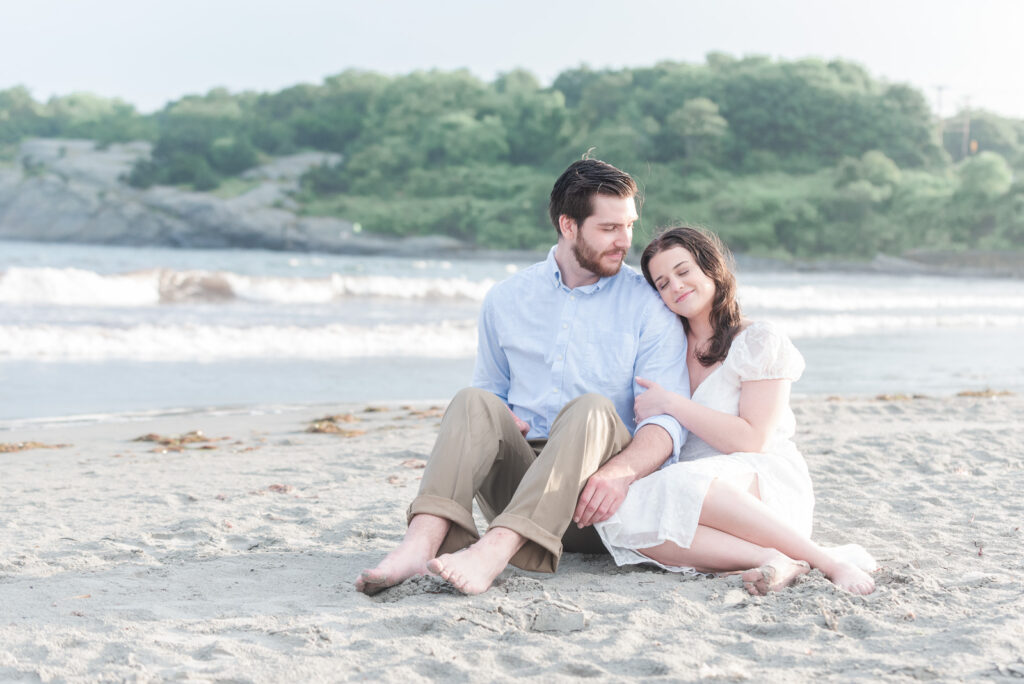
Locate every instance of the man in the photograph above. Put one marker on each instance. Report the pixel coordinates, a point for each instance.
(543, 438)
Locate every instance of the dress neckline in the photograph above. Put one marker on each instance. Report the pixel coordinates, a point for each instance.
(709, 376)
(722, 365)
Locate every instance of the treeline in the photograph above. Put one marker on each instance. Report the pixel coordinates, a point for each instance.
(805, 158)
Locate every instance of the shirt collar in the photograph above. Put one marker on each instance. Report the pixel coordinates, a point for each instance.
(556, 276)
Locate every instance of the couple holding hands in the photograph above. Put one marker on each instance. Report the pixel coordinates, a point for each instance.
(610, 412)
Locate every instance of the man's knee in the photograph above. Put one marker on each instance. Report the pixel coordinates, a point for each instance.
(590, 404)
(591, 401)
(473, 395)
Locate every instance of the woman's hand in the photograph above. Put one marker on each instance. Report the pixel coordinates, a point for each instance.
(655, 401)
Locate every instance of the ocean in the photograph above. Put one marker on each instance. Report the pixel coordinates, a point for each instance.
(90, 331)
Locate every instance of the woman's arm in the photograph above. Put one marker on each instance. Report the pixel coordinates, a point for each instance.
(761, 406)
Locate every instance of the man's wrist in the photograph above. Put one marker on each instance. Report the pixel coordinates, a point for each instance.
(652, 445)
(631, 463)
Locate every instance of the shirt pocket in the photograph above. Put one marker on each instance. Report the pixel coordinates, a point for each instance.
(606, 361)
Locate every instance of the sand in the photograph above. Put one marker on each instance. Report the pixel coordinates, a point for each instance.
(233, 560)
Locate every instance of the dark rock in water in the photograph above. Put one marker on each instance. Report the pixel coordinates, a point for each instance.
(187, 286)
(70, 191)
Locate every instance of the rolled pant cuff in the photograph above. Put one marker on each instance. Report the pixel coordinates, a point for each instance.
(544, 559)
(443, 508)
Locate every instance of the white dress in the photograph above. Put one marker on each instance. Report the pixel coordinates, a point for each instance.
(665, 506)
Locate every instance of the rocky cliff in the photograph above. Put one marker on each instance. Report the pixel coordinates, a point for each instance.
(70, 191)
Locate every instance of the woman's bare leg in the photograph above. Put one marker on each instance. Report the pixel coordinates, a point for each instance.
(422, 540)
(736, 511)
(715, 551)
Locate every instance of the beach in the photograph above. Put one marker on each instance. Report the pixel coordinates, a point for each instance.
(229, 555)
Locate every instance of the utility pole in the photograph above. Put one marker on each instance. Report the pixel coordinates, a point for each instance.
(965, 143)
(938, 112)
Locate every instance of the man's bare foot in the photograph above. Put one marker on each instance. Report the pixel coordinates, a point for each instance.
(397, 566)
(409, 558)
(474, 569)
(777, 573)
(849, 577)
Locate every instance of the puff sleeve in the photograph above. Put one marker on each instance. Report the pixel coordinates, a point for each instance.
(763, 352)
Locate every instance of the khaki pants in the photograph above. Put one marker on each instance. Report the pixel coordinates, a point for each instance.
(529, 487)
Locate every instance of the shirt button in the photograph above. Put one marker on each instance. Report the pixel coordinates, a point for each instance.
(565, 325)
(554, 391)
(572, 298)
(559, 357)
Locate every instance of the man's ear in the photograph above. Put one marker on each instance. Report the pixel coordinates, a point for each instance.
(567, 226)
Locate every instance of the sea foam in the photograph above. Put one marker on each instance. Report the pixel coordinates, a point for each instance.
(447, 339)
(78, 287)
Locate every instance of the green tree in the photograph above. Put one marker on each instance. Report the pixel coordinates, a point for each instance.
(21, 116)
(607, 99)
(536, 121)
(874, 168)
(991, 133)
(460, 138)
(572, 83)
(977, 205)
(232, 155)
(985, 176)
(696, 127)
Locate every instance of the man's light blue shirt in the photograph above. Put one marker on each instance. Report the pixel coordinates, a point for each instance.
(542, 344)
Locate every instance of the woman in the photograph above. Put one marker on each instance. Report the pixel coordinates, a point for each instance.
(740, 497)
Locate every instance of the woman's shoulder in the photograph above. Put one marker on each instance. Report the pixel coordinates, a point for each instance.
(761, 350)
(754, 332)
(760, 328)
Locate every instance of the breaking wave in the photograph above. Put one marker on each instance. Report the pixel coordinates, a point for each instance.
(450, 339)
(446, 339)
(78, 287)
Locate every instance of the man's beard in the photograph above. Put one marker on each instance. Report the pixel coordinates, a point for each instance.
(588, 258)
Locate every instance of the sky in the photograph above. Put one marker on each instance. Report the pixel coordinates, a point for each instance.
(149, 52)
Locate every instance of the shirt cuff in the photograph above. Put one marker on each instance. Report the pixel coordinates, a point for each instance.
(675, 431)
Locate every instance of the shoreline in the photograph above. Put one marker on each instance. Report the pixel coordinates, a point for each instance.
(231, 556)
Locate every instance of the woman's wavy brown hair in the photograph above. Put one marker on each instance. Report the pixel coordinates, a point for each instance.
(715, 260)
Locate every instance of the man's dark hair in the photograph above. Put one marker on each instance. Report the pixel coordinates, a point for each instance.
(574, 190)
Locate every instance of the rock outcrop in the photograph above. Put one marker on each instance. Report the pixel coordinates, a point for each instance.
(71, 191)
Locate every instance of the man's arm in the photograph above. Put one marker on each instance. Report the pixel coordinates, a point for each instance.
(606, 489)
(662, 353)
(490, 372)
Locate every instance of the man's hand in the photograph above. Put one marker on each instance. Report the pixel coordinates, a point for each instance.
(523, 426)
(606, 489)
(603, 494)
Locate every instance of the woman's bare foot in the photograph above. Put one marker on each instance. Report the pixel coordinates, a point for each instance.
(474, 569)
(777, 573)
(849, 577)
(409, 558)
(854, 554)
